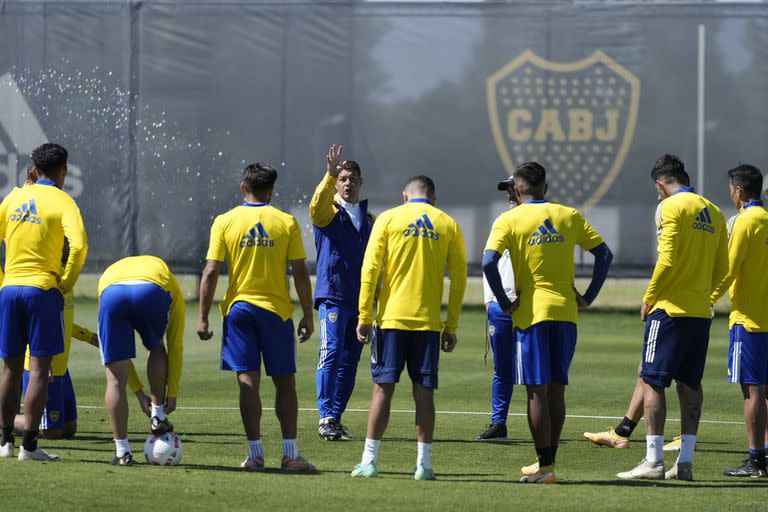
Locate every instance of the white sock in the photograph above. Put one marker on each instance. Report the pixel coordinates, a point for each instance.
(122, 447)
(371, 451)
(290, 448)
(424, 455)
(654, 448)
(255, 450)
(159, 411)
(686, 449)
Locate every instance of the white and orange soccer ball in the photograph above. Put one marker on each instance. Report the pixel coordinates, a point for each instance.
(163, 450)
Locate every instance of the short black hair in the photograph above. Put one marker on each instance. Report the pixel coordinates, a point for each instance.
(259, 177)
(353, 167)
(422, 184)
(533, 177)
(749, 178)
(49, 159)
(670, 168)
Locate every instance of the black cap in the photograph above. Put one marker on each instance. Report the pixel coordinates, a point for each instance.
(504, 185)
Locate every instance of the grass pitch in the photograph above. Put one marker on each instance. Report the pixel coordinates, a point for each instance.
(472, 476)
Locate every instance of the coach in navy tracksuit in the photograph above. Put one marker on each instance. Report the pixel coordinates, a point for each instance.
(342, 226)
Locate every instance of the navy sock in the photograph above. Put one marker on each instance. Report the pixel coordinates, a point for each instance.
(545, 456)
(625, 427)
(29, 442)
(7, 436)
(554, 453)
(757, 457)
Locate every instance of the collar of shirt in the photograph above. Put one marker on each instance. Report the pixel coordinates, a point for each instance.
(685, 189)
(756, 202)
(255, 205)
(535, 201)
(47, 183)
(349, 206)
(419, 200)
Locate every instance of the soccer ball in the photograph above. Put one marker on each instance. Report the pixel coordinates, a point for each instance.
(163, 450)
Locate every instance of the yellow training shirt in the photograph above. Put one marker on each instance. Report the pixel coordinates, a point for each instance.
(693, 255)
(541, 237)
(257, 241)
(411, 245)
(154, 270)
(34, 221)
(748, 268)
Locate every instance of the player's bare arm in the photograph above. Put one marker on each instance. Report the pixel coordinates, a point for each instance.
(207, 288)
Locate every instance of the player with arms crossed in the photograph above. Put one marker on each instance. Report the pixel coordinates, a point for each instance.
(540, 237)
(34, 223)
(258, 241)
(411, 246)
(342, 226)
(693, 260)
(502, 338)
(140, 293)
(748, 282)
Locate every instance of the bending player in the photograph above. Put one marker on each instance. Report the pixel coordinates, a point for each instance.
(748, 283)
(408, 252)
(258, 241)
(502, 339)
(540, 237)
(140, 294)
(342, 226)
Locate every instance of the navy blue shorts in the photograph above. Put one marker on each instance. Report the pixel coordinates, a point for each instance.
(61, 407)
(394, 349)
(31, 315)
(250, 333)
(674, 348)
(125, 308)
(748, 357)
(544, 353)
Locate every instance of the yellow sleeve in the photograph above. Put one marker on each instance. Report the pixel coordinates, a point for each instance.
(2, 232)
(457, 273)
(296, 244)
(736, 251)
(321, 208)
(175, 338)
(497, 239)
(667, 226)
(74, 230)
(133, 379)
(83, 334)
(588, 237)
(217, 249)
(372, 265)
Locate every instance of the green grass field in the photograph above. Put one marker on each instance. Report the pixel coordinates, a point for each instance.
(472, 476)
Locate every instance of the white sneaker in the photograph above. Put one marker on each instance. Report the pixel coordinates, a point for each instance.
(38, 454)
(680, 471)
(6, 451)
(645, 470)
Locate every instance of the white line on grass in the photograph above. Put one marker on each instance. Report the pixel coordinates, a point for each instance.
(409, 411)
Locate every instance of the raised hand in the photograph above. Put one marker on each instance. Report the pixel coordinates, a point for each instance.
(334, 159)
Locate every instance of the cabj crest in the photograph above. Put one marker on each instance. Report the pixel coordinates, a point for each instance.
(575, 118)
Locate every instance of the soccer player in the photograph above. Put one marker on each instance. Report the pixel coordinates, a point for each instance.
(409, 249)
(748, 283)
(342, 226)
(34, 222)
(693, 260)
(140, 293)
(540, 237)
(502, 338)
(258, 241)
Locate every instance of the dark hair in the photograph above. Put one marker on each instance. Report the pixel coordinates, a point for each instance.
(49, 159)
(422, 184)
(670, 168)
(749, 178)
(531, 179)
(353, 167)
(259, 177)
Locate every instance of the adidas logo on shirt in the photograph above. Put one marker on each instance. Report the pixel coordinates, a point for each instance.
(422, 226)
(546, 234)
(27, 212)
(257, 236)
(704, 221)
